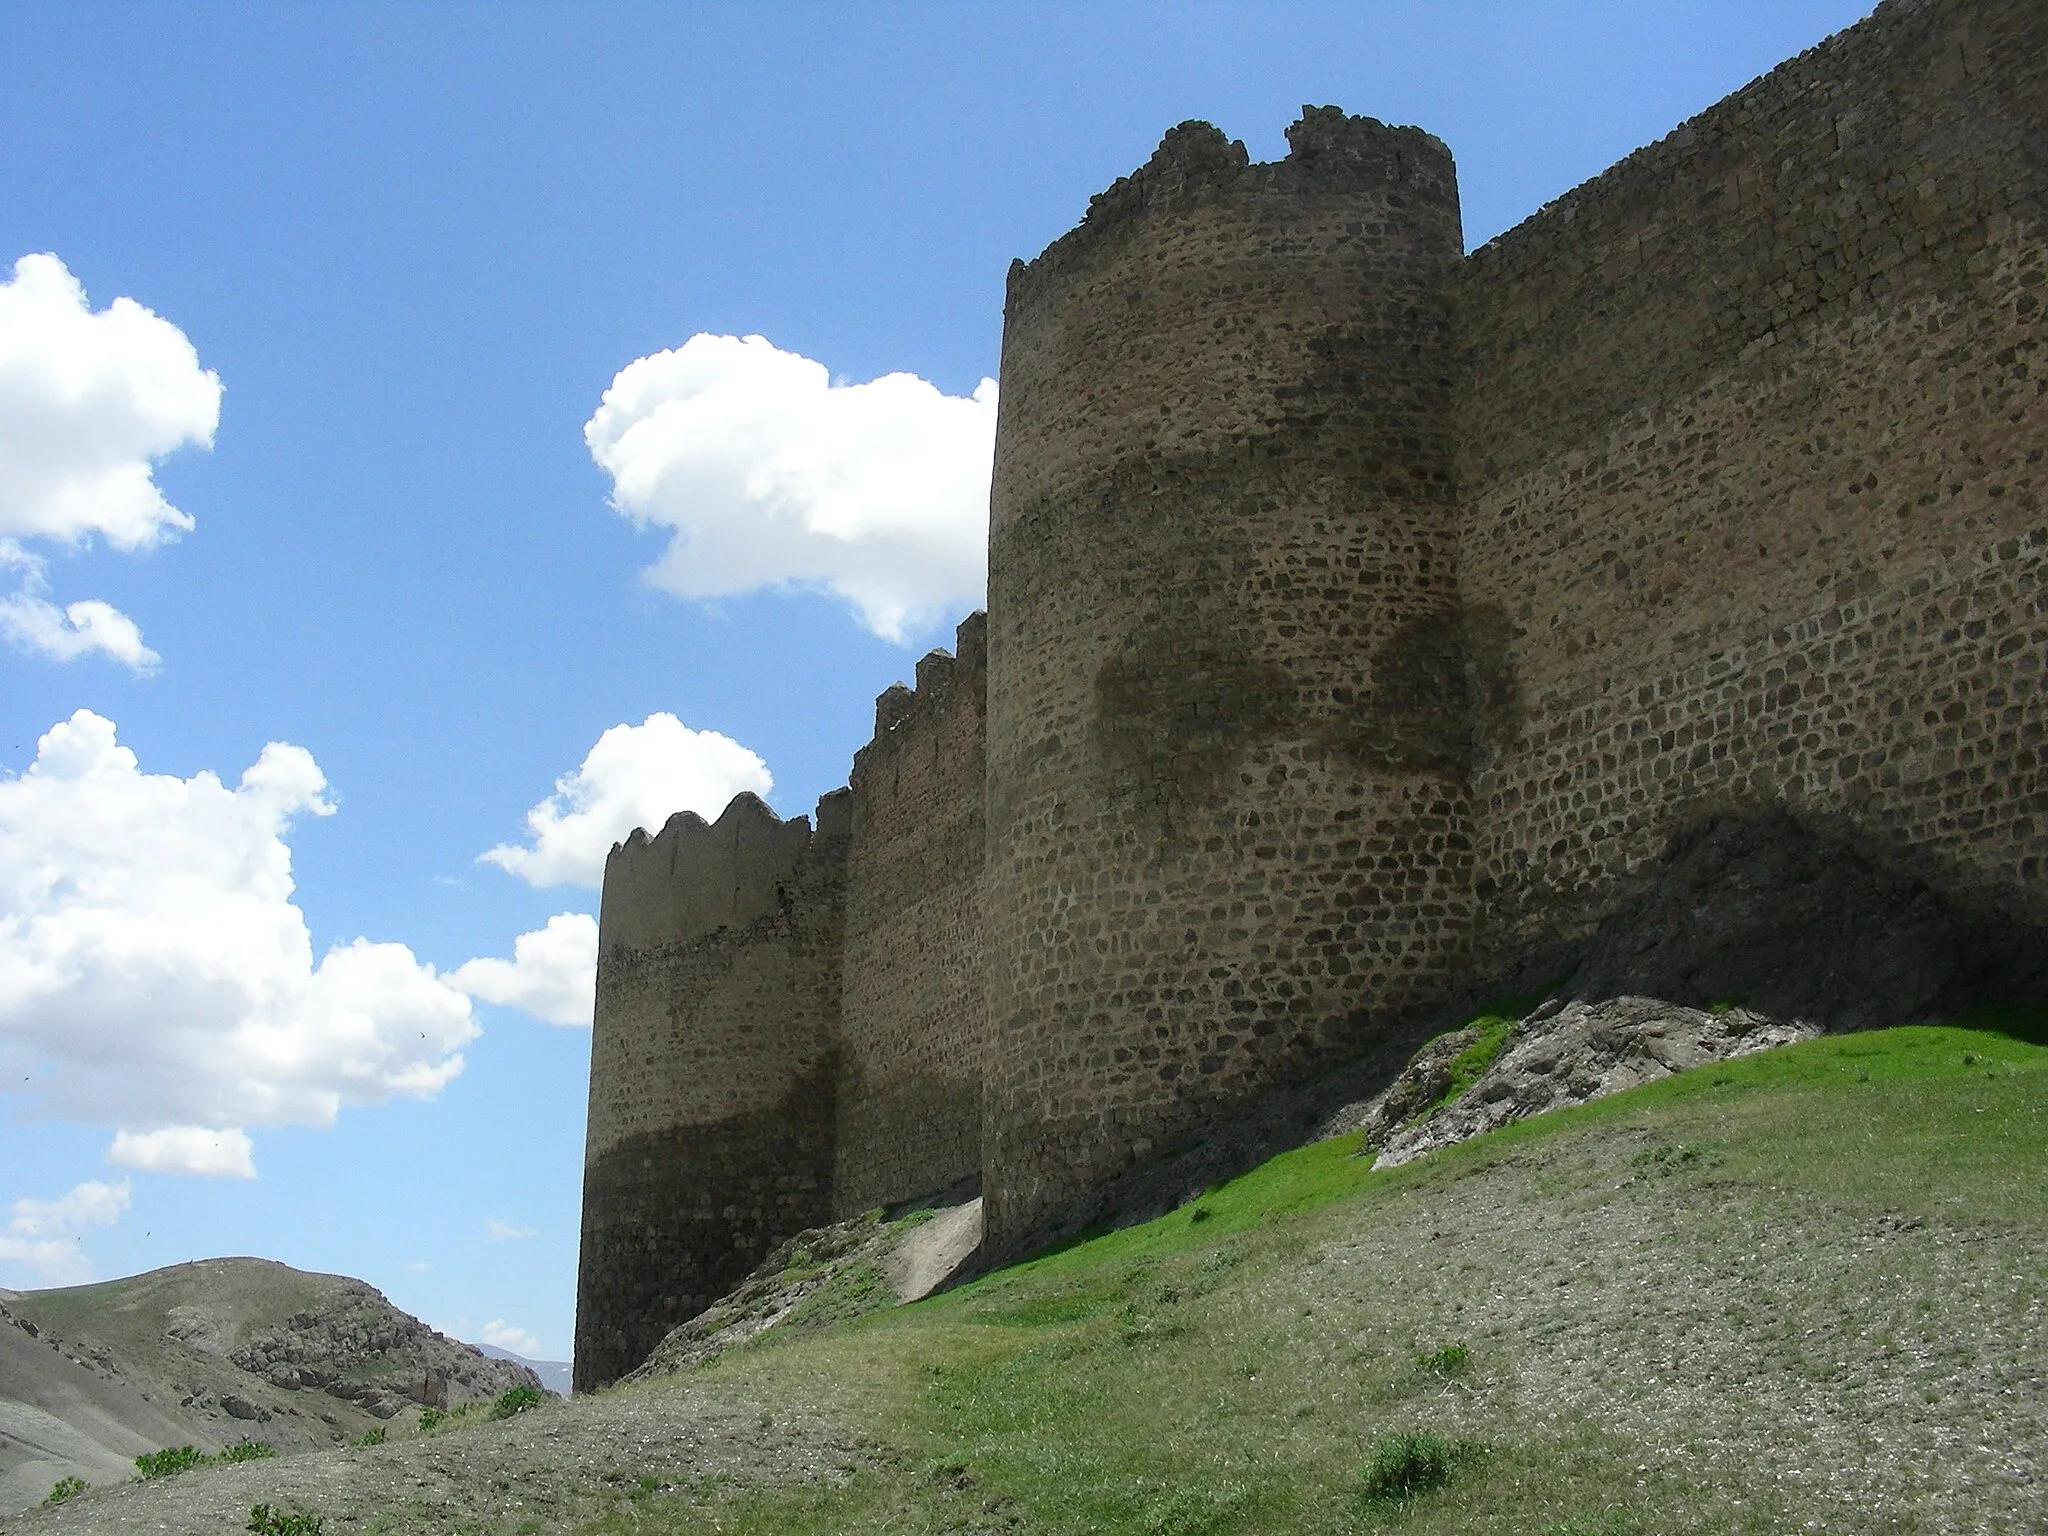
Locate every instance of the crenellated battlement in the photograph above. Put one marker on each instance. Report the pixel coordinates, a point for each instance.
(944, 680)
(694, 877)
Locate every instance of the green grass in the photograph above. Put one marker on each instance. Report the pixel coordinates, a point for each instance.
(265, 1520)
(182, 1458)
(515, 1400)
(1242, 1365)
(856, 1290)
(1470, 1064)
(66, 1488)
(1407, 1466)
(170, 1461)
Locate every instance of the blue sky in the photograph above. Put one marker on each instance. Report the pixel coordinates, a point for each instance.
(416, 246)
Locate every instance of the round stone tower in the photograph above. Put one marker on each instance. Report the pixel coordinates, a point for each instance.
(1226, 732)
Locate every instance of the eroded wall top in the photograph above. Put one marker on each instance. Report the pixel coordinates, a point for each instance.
(693, 877)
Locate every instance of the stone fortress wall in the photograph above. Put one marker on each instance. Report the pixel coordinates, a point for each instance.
(711, 1132)
(911, 1032)
(1204, 857)
(1367, 618)
(1750, 460)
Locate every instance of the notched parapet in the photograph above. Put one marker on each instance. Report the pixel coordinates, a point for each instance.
(694, 877)
(941, 676)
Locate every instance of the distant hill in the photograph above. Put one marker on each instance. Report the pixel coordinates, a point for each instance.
(206, 1354)
(553, 1374)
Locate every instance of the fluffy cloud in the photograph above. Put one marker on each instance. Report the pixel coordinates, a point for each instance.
(30, 622)
(500, 1334)
(44, 1234)
(152, 960)
(636, 776)
(504, 1232)
(87, 402)
(220, 1154)
(552, 974)
(771, 475)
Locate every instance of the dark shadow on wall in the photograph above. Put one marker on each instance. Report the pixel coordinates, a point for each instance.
(1440, 695)
(1757, 910)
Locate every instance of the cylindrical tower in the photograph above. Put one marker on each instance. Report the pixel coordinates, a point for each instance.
(1225, 743)
(711, 1068)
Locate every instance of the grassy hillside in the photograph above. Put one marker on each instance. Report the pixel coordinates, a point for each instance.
(1801, 1288)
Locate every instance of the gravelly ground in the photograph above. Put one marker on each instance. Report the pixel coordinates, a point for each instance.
(1897, 1382)
(547, 1468)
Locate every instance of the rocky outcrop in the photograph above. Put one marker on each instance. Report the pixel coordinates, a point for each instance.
(824, 1275)
(360, 1348)
(1564, 1053)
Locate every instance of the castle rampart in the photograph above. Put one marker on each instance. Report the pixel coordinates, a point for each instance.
(1368, 622)
(711, 1101)
(912, 1012)
(1223, 844)
(1751, 431)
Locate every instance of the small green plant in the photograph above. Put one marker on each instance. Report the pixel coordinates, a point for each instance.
(949, 1472)
(431, 1418)
(1470, 1064)
(1404, 1466)
(247, 1450)
(1723, 1005)
(1447, 1362)
(515, 1400)
(266, 1521)
(166, 1462)
(67, 1488)
(374, 1435)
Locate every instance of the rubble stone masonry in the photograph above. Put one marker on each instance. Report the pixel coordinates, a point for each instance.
(1219, 844)
(711, 1109)
(912, 1013)
(1365, 619)
(1750, 436)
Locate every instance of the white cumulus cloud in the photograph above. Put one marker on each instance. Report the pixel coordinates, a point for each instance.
(223, 1154)
(43, 1235)
(552, 974)
(33, 623)
(636, 776)
(153, 962)
(768, 474)
(89, 400)
(500, 1334)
